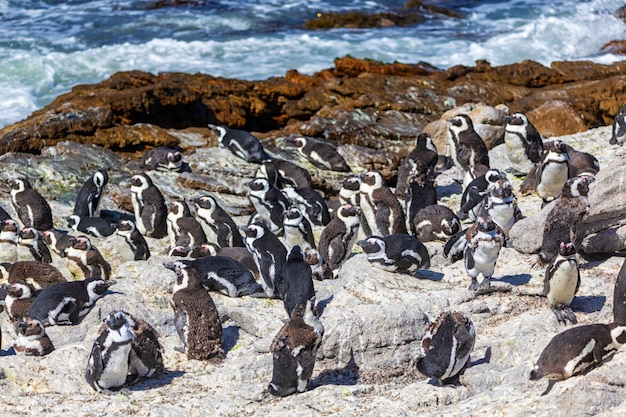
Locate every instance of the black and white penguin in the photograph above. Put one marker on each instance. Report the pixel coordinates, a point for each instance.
(32, 241)
(501, 205)
(294, 349)
(146, 355)
(148, 206)
(109, 363)
(68, 302)
(298, 280)
(88, 198)
(132, 245)
(219, 227)
(310, 202)
(31, 208)
(86, 260)
(425, 152)
(577, 350)
(162, 158)
(381, 209)
(93, 226)
(396, 253)
(269, 255)
(563, 219)
(32, 339)
(241, 143)
(321, 154)
(282, 173)
(467, 148)
(446, 346)
(182, 228)
(242, 255)
(9, 239)
(225, 275)
(195, 315)
(350, 191)
(524, 145)
(618, 133)
(297, 230)
(552, 171)
(484, 241)
(268, 202)
(435, 222)
(57, 241)
(619, 296)
(319, 267)
(475, 192)
(421, 192)
(19, 297)
(338, 237)
(3, 214)
(561, 282)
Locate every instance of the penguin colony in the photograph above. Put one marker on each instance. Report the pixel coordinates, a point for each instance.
(283, 257)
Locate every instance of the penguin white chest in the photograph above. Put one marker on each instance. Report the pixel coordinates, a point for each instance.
(116, 368)
(563, 283)
(516, 152)
(553, 177)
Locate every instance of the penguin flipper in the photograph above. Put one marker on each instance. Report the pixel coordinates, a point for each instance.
(383, 214)
(94, 366)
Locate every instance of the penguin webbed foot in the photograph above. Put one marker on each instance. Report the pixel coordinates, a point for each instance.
(485, 284)
(563, 314)
(180, 349)
(474, 285)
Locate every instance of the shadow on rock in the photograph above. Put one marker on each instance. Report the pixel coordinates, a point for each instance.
(516, 280)
(348, 375)
(230, 337)
(164, 379)
(588, 303)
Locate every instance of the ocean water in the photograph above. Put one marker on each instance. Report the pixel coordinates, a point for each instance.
(47, 47)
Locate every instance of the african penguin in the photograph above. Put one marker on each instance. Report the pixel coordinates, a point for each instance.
(297, 230)
(321, 154)
(182, 228)
(242, 255)
(162, 158)
(32, 339)
(31, 240)
(577, 350)
(87, 258)
(132, 246)
(421, 192)
(284, 173)
(475, 192)
(294, 349)
(561, 282)
(484, 241)
(269, 255)
(619, 296)
(3, 214)
(88, 198)
(425, 151)
(268, 202)
(9, 239)
(298, 280)
(350, 190)
(195, 316)
(38, 274)
(319, 267)
(57, 241)
(218, 225)
(552, 172)
(339, 235)
(396, 253)
(93, 226)
(501, 205)
(224, 275)
(310, 202)
(381, 209)
(446, 346)
(148, 206)
(146, 354)
(241, 143)
(19, 297)
(435, 222)
(467, 148)
(31, 208)
(524, 145)
(618, 133)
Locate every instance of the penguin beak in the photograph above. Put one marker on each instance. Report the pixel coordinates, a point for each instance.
(169, 265)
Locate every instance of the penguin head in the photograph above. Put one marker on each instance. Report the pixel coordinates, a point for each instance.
(174, 157)
(28, 233)
(353, 182)
(179, 209)
(292, 216)
(179, 250)
(9, 225)
(140, 181)
(30, 327)
(124, 226)
(269, 170)
(450, 227)
(347, 211)
(81, 243)
(115, 320)
(558, 146)
(96, 287)
(206, 202)
(186, 276)
(485, 223)
(298, 141)
(567, 248)
(493, 175)
(372, 245)
(618, 334)
(254, 231)
(20, 290)
(577, 186)
(516, 119)
(73, 221)
(258, 185)
(460, 123)
(371, 180)
(20, 184)
(204, 249)
(100, 178)
(220, 132)
(502, 188)
(425, 142)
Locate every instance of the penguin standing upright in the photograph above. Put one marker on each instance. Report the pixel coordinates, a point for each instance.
(475, 192)
(339, 235)
(87, 258)
(218, 226)
(552, 171)
(426, 153)
(32, 241)
(381, 209)
(182, 228)
(195, 315)
(501, 205)
(467, 148)
(294, 349)
(421, 192)
(561, 282)
(297, 230)
(149, 206)
(269, 255)
(268, 202)
(618, 132)
(132, 246)
(619, 296)
(162, 158)
(298, 280)
(88, 198)
(396, 253)
(146, 354)
(241, 143)
(31, 208)
(32, 339)
(524, 145)
(321, 154)
(9, 239)
(484, 241)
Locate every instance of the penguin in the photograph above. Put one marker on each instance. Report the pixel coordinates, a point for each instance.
(577, 350)
(282, 173)
(319, 267)
(87, 258)
(268, 202)
(58, 241)
(298, 280)
(381, 209)
(242, 255)
(132, 245)
(224, 275)
(32, 241)
(31, 208)
(148, 206)
(108, 364)
(454, 248)
(321, 154)
(425, 152)
(466, 146)
(68, 302)
(435, 222)
(3, 214)
(552, 172)
(563, 219)
(203, 250)
(619, 296)
(20, 296)
(36, 273)
(241, 143)
(162, 158)
(350, 191)
(88, 198)
(524, 145)
(396, 253)
(269, 255)
(484, 241)
(218, 225)
(446, 346)
(32, 339)
(581, 164)
(146, 354)
(195, 315)
(93, 226)
(475, 192)
(297, 230)
(294, 349)
(421, 192)
(182, 228)
(501, 205)
(618, 132)
(561, 282)
(339, 236)
(311, 203)
(9, 238)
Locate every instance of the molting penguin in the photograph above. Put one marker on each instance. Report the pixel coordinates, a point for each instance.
(501, 205)
(68, 302)
(268, 202)
(182, 228)
(241, 143)
(148, 206)
(87, 258)
(93, 226)
(310, 202)
(224, 275)
(31, 240)
(484, 241)
(396, 253)
(162, 158)
(467, 148)
(297, 230)
(146, 355)
(218, 226)
(9, 238)
(88, 198)
(195, 315)
(132, 245)
(561, 282)
(425, 152)
(421, 192)
(32, 339)
(618, 133)
(552, 171)
(269, 255)
(32, 209)
(446, 346)
(298, 280)
(38, 274)
(524, 145)
(435, 222)
(321, 154)
(339, 235)
(381, 209)
(19, 297)
(577, 350)
(294, 349)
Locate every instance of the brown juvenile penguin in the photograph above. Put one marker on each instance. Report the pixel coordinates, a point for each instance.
(32, 339)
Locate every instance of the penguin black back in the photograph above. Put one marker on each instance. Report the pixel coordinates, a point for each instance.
(298, 280)
(88, 197)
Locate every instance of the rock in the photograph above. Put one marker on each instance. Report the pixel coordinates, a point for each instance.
(556, 118)
(614, 47)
